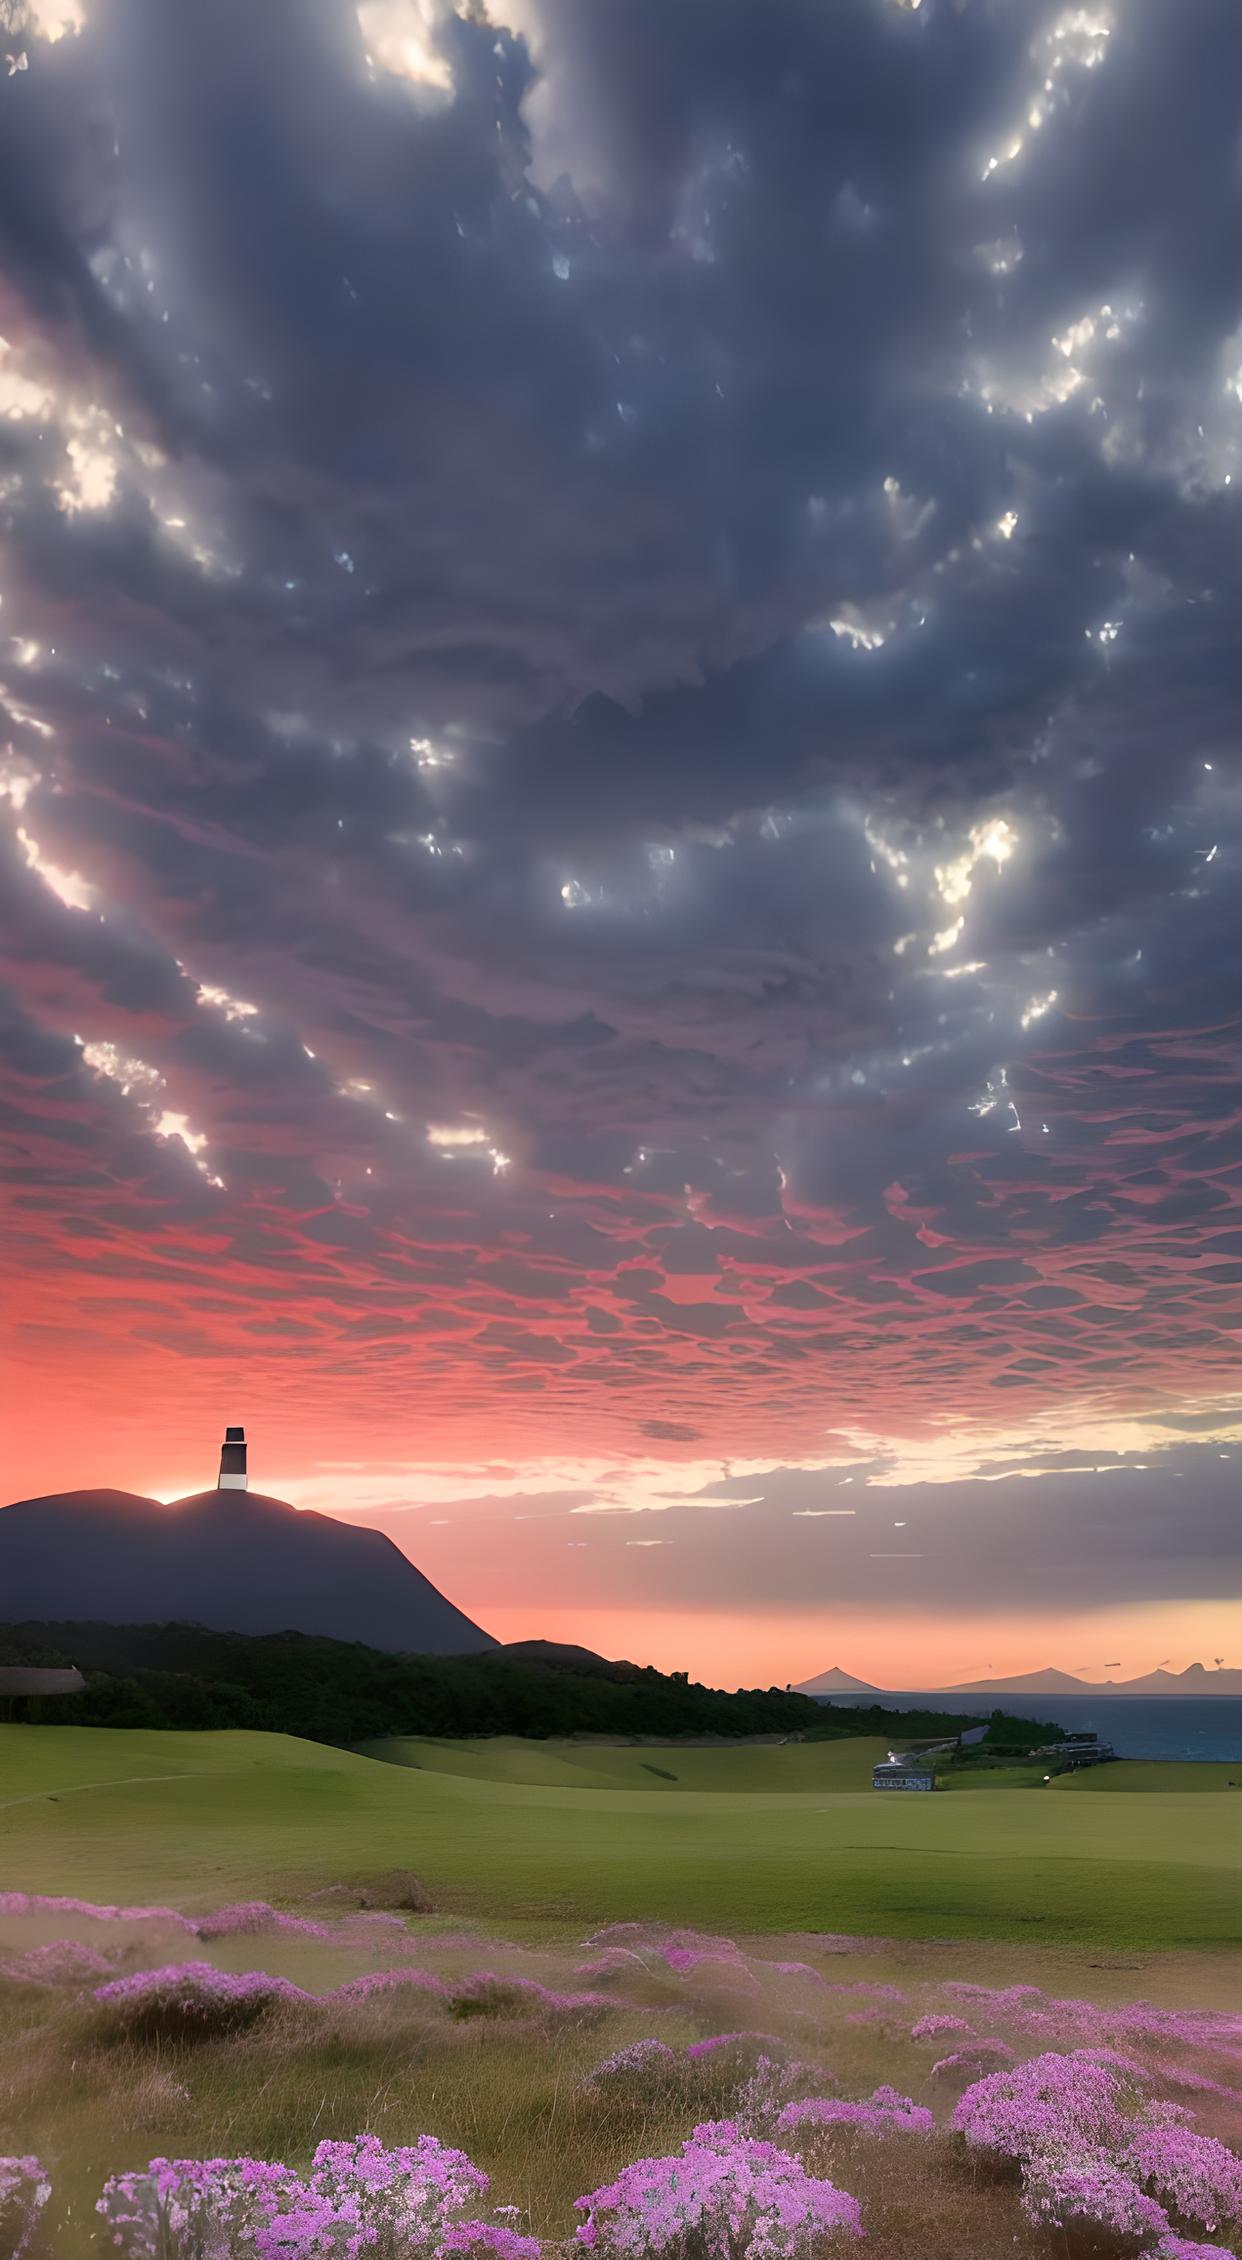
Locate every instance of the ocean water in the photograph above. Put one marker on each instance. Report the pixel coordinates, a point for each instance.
(1138, 1726)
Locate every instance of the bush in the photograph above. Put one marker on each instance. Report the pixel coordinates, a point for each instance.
(488, 1995)
(1059, 2103)
(24, 2191)
(972, 2062)
(189, 2001)
(392, 2204)
(884, 2112)
(399, 1889)
(722, 2197)
(1191, 2173)
(647, 2072)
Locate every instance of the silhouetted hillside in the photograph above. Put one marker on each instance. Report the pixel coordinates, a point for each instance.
(232, 1560)
(559, 1655)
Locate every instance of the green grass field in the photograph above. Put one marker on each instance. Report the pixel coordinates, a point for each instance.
(1162, 1775)
(760, 1768)
(743, 1767)
(196, 1819)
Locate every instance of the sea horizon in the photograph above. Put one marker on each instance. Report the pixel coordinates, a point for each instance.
(1203, 1729)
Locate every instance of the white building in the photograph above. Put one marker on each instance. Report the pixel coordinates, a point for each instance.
(902, 1773)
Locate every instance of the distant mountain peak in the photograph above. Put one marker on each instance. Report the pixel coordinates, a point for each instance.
(1049, 1681)
(1197, 1679)
(230, 1559)
(835, 1681)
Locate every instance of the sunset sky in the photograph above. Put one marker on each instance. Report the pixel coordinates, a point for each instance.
(621, 804)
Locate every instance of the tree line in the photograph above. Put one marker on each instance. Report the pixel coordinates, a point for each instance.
(185, 1676)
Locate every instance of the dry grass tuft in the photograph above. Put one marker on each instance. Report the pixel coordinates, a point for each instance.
(397, 1890)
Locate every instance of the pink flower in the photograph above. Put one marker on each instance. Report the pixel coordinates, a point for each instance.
(489, 1994)
(647, 2068)
(24, 2191)
(1089, 2186)
(931, 2028)
(1193, 2174)
(738, 2199)
(360, 2197)
(63, 1961)
(1183, 2248)
(972, 2061)
(1058, 2103)
(884, 2112)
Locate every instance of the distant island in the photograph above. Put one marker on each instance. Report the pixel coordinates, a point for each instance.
(1197, 1679)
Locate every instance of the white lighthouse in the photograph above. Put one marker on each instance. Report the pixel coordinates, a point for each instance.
(233, 1460)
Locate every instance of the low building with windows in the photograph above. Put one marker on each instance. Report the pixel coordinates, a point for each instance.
(1077, 1750)
(903, 1773)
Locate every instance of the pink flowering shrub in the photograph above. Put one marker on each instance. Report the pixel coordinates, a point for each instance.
(884, 2112)
(1044, 2017)
(1184, 2248)
(736, 2052)
(971, 2062)
(932, 2028)
(1195, 2083)
(190, 2001)
(1195, 2176)
(389, 1981)
(722, 2197)
(40, 1903)
(246, 1918)
(195, 2001)
(63, 1961)
(614, 1964)
(252, 1916)
(1061, 2189)
(1059, 2103)
(488, 1995)
(194, 2208)
(360, 2198)
(718, 1959)
(761, 2099)
(1090, 2153)
(24, 2191)
(488, 2240)
(648, 2071)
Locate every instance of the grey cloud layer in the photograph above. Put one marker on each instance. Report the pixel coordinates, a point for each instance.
(566, 592)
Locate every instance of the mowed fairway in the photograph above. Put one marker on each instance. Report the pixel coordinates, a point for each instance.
(196, 1819)
(747, 1766)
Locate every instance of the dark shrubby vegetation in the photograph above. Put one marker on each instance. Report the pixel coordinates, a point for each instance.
(337, 1691)
(182, 1675)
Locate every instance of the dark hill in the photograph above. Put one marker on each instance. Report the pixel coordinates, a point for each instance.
(561, 1655)
(232, 1560)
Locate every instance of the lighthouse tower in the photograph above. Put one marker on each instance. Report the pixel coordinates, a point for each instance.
(233, 1460)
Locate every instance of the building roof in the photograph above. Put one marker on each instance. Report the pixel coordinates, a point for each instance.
(40, 1679)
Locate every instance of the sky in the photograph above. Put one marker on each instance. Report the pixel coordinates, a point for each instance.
(621, 808)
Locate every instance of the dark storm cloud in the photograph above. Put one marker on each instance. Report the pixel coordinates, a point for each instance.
(533, 606)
